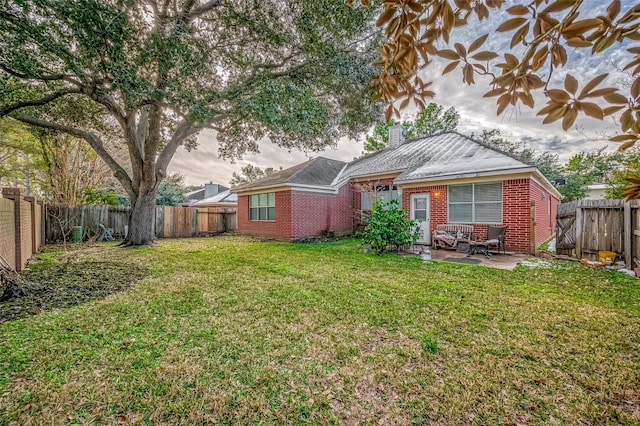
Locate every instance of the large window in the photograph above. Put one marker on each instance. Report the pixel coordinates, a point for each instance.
(262, 206)
(384, 193)
(475, 203)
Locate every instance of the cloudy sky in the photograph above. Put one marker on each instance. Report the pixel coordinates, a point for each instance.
(476, 113)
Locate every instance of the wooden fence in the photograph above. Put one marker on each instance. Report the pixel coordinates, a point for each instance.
(589, 226)
(170, 222)
(21, 230)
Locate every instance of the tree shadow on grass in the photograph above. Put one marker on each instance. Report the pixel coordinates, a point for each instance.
(63, 285)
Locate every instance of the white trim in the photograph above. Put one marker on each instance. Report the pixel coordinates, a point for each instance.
(468, 175)
(385, 173)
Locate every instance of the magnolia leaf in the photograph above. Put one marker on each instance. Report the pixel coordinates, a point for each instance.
(635, 88)
(615, 98)
(557, 6)
(480, 67)
(601, 92)
(582, 26)
(592, 84)
(624, 137)
(511, 24)
(592, 110)
(485, 56)
(518, 10)
(613, 9)
(627, 145)
(558, 95)
(448, 54)
(578, 42)
(386, 16)
(467, 73)
(555, 115)
(477, 43)
(626, 120)
(460, 49)
(495, 92)
(571, 84)
(540, 58)
(569, 118)
(450, 67)
(503, 101)
(526, 99)
(518, 36)
(612, 110)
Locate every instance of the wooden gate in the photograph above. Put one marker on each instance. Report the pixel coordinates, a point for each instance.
(566, 228)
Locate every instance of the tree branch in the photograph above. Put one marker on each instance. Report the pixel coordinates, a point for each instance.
(50, 77)
(94, 142)
(39, 102)
(184, 130)
(206, 7)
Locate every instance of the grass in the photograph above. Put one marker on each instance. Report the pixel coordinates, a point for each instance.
(233, 331)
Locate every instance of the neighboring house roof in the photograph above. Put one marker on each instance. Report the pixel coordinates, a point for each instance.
(224, 197)
(442, 156)
(208, 190)
(319, 171)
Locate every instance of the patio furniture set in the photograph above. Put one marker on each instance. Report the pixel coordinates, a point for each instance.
(462, 238)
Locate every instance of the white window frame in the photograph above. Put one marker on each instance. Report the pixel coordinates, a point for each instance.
(473, 202)
(264, 201)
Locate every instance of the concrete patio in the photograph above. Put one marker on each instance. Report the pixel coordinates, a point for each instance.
(497, 260)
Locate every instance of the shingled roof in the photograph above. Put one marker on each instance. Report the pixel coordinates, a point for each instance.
(319, 171)
(441, 155)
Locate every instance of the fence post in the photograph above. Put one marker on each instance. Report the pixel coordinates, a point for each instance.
(579, 232)
(13, 194)
(628, 235)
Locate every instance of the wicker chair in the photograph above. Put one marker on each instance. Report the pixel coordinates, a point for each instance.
(496, 236)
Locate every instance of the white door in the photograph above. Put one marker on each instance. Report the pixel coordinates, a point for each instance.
(420, 204)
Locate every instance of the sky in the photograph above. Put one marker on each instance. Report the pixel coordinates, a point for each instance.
(476, 113)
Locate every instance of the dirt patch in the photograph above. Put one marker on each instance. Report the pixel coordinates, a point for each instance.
(59, 286)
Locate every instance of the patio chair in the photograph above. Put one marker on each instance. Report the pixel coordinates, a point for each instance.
(496, 236)
(107, 234)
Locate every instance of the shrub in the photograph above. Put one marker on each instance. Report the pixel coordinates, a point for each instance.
(389, 227)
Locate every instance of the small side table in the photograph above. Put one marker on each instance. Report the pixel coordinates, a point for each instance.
(478, 247)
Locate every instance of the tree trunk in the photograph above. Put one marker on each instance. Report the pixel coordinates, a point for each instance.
(142, 229)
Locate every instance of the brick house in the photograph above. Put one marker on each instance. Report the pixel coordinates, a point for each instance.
(445, 178)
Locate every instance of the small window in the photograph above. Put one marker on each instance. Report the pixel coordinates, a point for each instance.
(262, 206)
(381, 193)
(476, 203)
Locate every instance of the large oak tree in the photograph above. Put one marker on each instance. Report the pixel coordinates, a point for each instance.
(151, 74)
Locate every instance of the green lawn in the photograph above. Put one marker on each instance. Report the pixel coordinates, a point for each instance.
(233, 331)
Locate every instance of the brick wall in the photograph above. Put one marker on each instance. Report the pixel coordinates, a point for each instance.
(279, 229)
(515, 210)
(7, 232)
(546, 209)
(516, 214)
(316, 213)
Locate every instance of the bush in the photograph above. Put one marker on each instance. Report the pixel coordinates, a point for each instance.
(389, 227)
